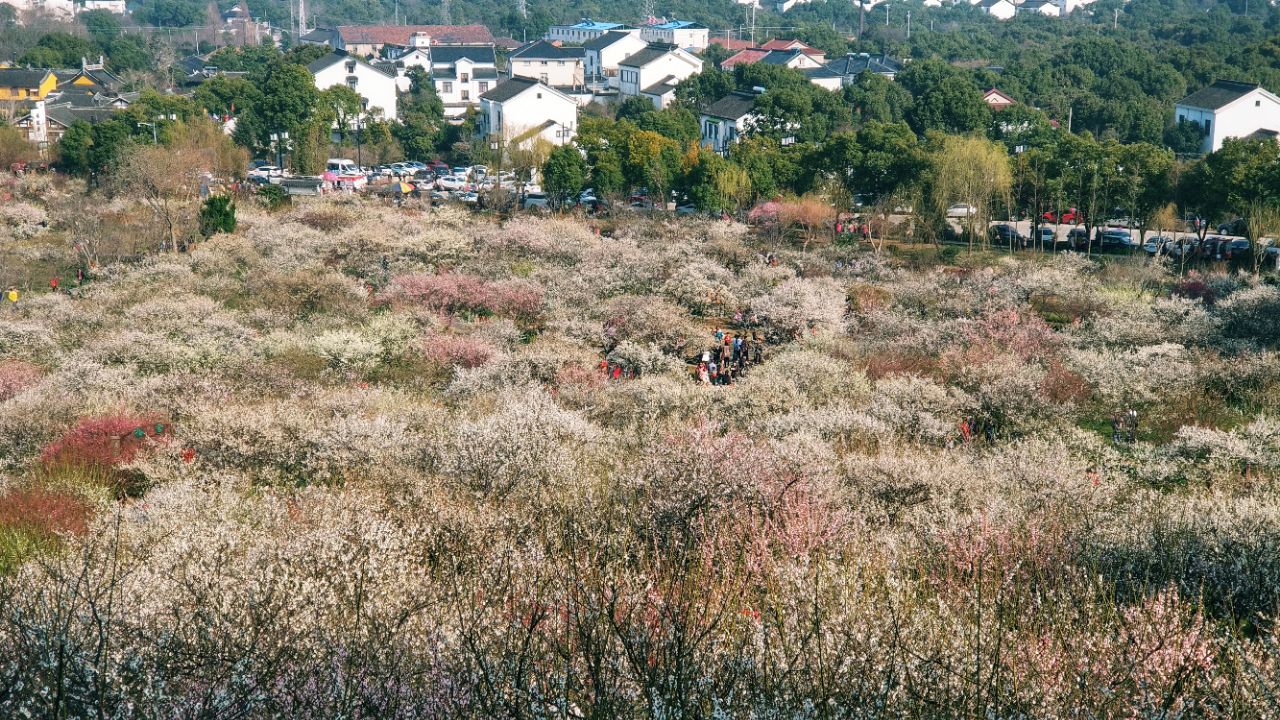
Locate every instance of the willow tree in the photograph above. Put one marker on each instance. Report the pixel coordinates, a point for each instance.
(971, 170)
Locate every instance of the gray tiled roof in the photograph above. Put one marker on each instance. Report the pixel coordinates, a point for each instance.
(603, 41)
(543, 50)
(449, 54)
(648, 55)
(732, 106)
(1220, 93)
(855, 64)
(509, 89)
(22, 77)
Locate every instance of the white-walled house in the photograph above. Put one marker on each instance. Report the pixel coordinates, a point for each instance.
(1048, 8)
(1228, 109)
(520, 110)
(603, 54)
(656, 65)
(794, 59)
(376, 88)
(681, 33)
(727, 119)
(582, 31)
(461, 74)
(999, 9)
(548, 63)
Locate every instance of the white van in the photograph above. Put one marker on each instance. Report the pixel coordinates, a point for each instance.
(341, 166)
(349, 174)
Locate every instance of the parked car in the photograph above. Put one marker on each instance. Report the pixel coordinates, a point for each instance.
(1212, 246)
(467, 196)
(1157, 245)
(536, 201)
(1115, 239)
(1070, 215)
(960, 210)
(1236, 248)
(1187, 246)
(266, 172)
(1006, 234)
(1078, 238)
(1234, 227)
(1046, 236)
(451, 182)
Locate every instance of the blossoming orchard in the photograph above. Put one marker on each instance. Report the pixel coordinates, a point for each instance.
(372, 460)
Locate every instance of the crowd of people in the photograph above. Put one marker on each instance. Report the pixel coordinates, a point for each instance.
(729, 358)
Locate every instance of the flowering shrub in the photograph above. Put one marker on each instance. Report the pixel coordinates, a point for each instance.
(800, 307)
(400, 485)
(457, 350)
(16, 376)
(107, 441)
(466, 294)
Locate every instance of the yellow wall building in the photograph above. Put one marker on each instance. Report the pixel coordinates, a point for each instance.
(24, 84)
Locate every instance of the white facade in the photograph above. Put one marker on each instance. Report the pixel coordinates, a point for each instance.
(61, 9)
(581, 32)
(1240, 111)
(1000, 9)
(521, 110)
(376, 88)
(1049, 9)
(548, 64)
(461, 74)
(601, 61)
(719, 134)
(111, 6)
(680, 33)
(652, 66)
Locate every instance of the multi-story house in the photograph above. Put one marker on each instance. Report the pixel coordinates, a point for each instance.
(549, 63)
(654, 71)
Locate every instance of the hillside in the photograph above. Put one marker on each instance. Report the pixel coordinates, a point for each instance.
(364, 461)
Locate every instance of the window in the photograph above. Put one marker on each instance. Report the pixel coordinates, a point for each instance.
(1257, 103)
(351, 66)
(466, 77)
(1207, 125)
(466, 95)
(539, 96)
(543, 78)
(484, 87)
(544, 62)
(448, 87)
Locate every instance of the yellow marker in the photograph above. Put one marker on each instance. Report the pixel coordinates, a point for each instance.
(12, 295)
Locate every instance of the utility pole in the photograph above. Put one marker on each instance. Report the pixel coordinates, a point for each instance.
(886, 14)
(753, 24)
(1115, 22)
(862, 18)
(908, 24)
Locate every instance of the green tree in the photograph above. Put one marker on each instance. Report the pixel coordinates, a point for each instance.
(943, 98)
(974, 171)
(565, 174)
(421, 117)
(217, 215)
(170, 13)
(224, 95)
(74, 149)
(59, 50)
(344, 105)
(875, 98)
(289, 103)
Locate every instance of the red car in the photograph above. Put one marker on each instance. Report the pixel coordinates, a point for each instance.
(1070, 216)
